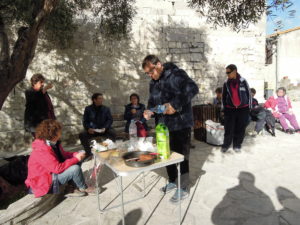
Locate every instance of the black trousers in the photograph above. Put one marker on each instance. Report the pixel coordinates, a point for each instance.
(180, 142)
(235, 123)
(258, 115)
(85, 138)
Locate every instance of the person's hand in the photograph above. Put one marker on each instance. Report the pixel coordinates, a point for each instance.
(47, 87)
(103, 130)
(80, 156)
(133, 111)
(91, 131)
(147, 114)
(169, 109)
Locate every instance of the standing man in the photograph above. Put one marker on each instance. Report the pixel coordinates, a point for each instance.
(237, 102)
(38, 103)
(97, 121)
(172, 87)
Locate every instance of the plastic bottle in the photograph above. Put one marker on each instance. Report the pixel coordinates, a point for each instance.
(132, 129)
(159, 109)
(162, 141)
(132, 134)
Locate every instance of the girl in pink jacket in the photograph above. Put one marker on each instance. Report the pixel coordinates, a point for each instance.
(281, 108)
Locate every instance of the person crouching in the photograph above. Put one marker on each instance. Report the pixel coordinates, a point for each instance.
(49, 166)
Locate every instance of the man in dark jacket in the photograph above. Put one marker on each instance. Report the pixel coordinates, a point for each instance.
(172, 87)
(97, 121)
(237, 102)
(38, 103)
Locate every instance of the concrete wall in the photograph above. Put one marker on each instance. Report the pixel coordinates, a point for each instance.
(175, 33)
(288, 60)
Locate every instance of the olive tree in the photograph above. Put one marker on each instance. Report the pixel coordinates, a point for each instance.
(22, 22)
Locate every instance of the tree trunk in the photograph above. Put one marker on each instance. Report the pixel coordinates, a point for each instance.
(13, 70)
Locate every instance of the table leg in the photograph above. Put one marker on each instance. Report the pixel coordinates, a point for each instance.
(179, 188)
(144, 183)
(122, 200)
(97, 185)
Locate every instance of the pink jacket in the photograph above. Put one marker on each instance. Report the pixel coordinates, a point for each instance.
(272, 105)
(42, 163)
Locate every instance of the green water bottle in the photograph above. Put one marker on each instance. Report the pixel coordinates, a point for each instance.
(162, 141)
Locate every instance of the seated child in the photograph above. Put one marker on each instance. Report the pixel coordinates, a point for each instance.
(281, 108)
(257, 113)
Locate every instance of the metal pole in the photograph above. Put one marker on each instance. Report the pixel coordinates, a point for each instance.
(144, 184)
(277, 62)
(179, 188)
(122, 200)
(97, 185)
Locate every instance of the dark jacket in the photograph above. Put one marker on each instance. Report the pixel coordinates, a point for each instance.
(177, 88)
(244, 94)
(36, 108)
(138, 116)
(97, 117)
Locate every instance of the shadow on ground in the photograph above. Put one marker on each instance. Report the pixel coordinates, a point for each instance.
(245, 204)
(132, 217)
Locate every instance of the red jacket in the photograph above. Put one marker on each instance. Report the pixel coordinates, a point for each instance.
(42, 163)
(272, 105)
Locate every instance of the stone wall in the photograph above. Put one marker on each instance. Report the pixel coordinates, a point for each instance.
(172, 31)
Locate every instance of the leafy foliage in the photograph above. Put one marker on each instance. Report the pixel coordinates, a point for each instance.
(115, 17)
(237, 14)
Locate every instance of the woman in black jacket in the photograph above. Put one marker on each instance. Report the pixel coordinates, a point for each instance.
(134, 111)
(38, 103)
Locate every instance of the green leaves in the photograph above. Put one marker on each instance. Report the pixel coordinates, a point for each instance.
(237, 14)
(113, 17)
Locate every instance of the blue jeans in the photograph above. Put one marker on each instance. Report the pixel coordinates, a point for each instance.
(72, 173)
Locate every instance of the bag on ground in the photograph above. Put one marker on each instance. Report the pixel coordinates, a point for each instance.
(214, 133)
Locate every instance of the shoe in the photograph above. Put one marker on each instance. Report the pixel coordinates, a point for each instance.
(237, 149)
(223, 149)
(180, 194)
(77, 193)
(192, 146)
(289, 131)
(89, 190)
(297, 130)
(169, 187)
(254, 133)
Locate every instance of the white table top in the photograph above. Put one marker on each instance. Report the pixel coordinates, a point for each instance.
(118, 165)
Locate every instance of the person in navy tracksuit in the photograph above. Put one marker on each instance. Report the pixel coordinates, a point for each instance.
(237, 102)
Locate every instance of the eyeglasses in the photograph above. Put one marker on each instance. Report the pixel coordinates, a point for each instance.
(228, 72)
(151, 71)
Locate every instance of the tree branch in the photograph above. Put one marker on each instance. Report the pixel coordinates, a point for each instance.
(24, 48)
(4, 50)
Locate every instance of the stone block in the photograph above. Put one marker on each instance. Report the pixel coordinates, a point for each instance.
(197, 50)
(196, 57)
(178, 50)
(172, 44)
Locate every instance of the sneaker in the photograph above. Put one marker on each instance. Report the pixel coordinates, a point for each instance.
(223, 149)
(89, 190)
(183, 194)
(289, 131)
(169, 187)
(76, 193)
(237, 149)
